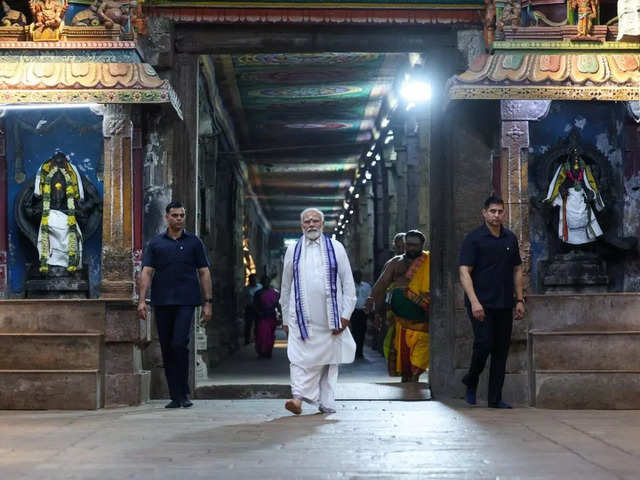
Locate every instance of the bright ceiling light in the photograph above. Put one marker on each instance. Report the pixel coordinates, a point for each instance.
(351, 189)
(388, 139)
(385, 122)
(369, 153)
(367, 175)
(378, 157)
(357, 195)
(341, 216)
(373, 163)
(350, 212)
(46, 106)
(415, 91)
(346, 221)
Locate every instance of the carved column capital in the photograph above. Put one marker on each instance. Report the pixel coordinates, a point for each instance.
(116, 120)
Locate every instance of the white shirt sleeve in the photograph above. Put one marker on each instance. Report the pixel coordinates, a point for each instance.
(349, 298)
(285, 287)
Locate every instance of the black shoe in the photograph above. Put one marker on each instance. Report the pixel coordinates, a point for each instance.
(500, 404)
(470, 396)
(186, 403)
(173, 404)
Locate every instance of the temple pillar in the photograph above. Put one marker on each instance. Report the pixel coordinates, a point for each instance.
(514, 178)
(4, 233)
(117, 219)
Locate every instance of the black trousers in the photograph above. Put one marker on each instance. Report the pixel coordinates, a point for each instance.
(492, 337)
(359, 329)
(250, 321)
(174, 328)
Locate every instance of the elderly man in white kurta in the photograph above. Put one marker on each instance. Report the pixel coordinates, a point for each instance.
(317, 297)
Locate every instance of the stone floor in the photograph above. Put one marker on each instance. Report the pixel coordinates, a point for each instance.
(246, 439)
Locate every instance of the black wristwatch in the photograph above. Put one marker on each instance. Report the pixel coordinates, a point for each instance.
(520, 300)
(208, 300)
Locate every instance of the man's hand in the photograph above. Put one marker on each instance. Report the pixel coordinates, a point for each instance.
(477, 311)
(520, 310)
(205, 313)
(142, 309)
(345, 323)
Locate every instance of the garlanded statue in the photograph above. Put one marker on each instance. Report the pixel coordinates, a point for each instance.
(57, 211)
(575, 191)
(11, 18)
(587, 13)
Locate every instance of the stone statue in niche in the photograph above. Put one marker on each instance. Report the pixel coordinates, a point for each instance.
(576, 179)
(57, 211)
(574, 189)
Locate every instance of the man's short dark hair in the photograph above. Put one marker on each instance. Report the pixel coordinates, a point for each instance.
(174, 204)
(493, 200)
(416, 233)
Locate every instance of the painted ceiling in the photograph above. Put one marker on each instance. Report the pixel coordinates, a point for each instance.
(304, 120)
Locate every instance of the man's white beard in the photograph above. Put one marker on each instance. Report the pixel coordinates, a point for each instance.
(312, 235)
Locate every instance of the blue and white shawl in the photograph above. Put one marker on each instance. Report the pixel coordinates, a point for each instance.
(330, 280)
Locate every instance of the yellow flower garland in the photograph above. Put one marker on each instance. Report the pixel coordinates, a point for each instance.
(72, 192)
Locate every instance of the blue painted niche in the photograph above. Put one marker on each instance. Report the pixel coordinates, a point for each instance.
(33, 136)
(601, 124)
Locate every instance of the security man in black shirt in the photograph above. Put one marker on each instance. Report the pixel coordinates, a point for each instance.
(491, 276)
(176, 267)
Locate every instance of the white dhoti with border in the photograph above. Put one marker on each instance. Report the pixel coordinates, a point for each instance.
(315, 357)
(315, 385)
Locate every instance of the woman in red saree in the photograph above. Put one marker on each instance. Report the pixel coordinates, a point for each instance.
(266, 304)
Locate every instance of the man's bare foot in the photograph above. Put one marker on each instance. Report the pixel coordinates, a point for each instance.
(294, 405)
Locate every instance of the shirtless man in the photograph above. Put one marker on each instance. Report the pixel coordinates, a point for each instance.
(405, 280)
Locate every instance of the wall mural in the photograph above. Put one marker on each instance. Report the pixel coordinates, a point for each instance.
(33, 139)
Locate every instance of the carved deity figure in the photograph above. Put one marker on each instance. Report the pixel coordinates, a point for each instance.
(114, 12)
(587, 13)
(10, 17)
(574, 189)
(48, 13)
(511, 15)
(628, 18)
(88, 16)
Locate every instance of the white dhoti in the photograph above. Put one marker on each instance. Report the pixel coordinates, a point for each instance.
(315, 385)
(315, 357)
(59, 232)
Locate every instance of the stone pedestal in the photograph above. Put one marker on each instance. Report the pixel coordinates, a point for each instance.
(71, 354)
(575, 272)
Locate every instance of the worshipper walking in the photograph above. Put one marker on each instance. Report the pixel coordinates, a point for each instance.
(405, 281)
(491, 274)
(318, 298)
(266, 305)
(250, 314)
(358, 325)
(174, 263)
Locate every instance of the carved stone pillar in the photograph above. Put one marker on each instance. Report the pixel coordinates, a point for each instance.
(516, 115)
(117, 220)
(4, 231)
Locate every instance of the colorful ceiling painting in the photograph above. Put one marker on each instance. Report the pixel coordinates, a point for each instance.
(304, 121)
